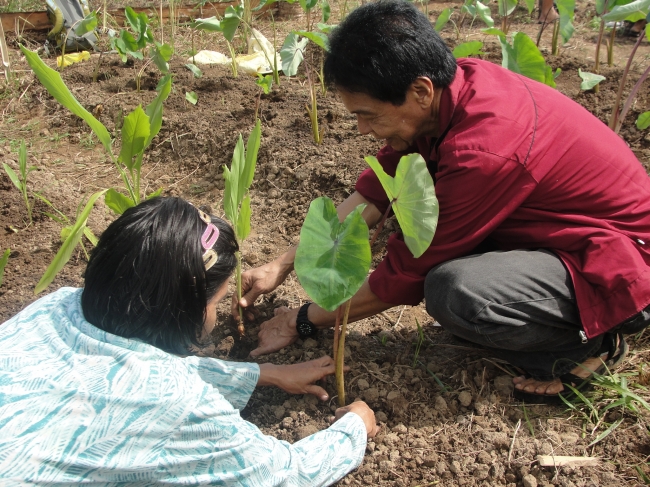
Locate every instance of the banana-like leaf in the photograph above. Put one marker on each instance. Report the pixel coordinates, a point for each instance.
(333, 258)
(622, 12)
(117, 202)
(57, 88)
(483, 11)
(244, 219)
(64, 253)
(643, 122)
(13, 176)
(154, 109)
(135, 133)
(317, 38)
(414, 200)
(250, 161)
(3, 263)
(466, 49)
(291, 53)
(443, 18)
(524, 58)
(589, 80)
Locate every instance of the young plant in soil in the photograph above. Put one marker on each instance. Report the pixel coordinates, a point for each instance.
(264, 82)
(20, 180)
(332, 262)
(3, 263)
(144, 45)
(236, 198)
(138, 130)
(564, 27)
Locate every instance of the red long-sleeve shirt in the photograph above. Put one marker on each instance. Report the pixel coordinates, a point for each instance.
(524, 166)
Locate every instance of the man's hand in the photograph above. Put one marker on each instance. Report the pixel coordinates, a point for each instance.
(298, 378)
(278, 332)
(262, 280)
(362, 409)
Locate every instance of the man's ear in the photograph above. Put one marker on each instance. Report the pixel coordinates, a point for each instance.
(423, 91)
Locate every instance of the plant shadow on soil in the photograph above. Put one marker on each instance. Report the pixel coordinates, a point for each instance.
(449, 420)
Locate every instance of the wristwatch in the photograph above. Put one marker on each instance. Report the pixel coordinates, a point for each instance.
(305, 327)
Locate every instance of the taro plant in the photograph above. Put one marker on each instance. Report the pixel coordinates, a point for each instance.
(264, 82)
(643, 121)
(589, 80)
(564, 27)
(236, 198)
(20, 179)
(141, 45)
(332, 262)
(81, 27)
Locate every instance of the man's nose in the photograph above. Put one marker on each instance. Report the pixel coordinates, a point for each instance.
(363, 126)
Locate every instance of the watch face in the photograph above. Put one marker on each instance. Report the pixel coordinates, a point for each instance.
(305, 329)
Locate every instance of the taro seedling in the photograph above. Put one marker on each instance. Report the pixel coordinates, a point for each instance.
(20, 179)
(564, 27)
(236, 198)
(589, 80)
(3, 263)
(643, 121)
(332, 262)
(264, 82)
(141, 45)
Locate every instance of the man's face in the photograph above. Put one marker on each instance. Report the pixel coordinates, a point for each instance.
(398, 126)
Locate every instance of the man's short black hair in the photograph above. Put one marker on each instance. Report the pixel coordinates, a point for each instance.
(146, 278)
(383, 47)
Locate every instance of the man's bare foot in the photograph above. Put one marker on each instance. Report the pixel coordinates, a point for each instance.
(549, 15)
(555, 386)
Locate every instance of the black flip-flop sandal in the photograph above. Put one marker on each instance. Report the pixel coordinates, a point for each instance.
(615, 346)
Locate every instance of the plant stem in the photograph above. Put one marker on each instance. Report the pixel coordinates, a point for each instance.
(233, 61)
(598, 44)
(614, 118)
(610, 46)
(381, 225)
(630, 99)
(340, 357)
(556, 34)
(337, 330)
(240, 326)
(99, 62)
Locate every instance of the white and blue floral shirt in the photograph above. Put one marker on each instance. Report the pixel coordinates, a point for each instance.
(79, 405)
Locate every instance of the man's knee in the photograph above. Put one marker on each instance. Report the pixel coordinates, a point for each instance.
(441, 290)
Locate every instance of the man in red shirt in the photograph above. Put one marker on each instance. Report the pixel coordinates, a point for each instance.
(540, 251)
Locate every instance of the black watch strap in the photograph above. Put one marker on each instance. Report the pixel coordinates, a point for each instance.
(304, 327)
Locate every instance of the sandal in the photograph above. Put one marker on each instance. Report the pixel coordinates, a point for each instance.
(614, 345)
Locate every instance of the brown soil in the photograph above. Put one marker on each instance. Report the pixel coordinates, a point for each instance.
(447, 416)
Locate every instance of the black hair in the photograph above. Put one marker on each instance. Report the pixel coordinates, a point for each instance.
(146, 278)
(381, 48)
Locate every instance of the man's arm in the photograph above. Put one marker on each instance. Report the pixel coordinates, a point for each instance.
(266, 278)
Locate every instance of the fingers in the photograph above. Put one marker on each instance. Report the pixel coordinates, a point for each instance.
(317, 391)
(280, 310)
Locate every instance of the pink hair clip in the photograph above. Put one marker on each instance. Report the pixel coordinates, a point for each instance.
(209, 238)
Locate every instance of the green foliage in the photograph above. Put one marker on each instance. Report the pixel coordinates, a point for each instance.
(643, 122)
(65, 252)
(264, 82)
(566, 9)
(20, 180)
(589, 80)
(413, 199)
(291, 53)
(476, 8)
(192, 97)
(333, 258)
(3, 263)
(236, 201)
(418, 343)
(443, 19)
(233, 17)
(87, 24)
(506, 7)
(523, 57)
(467, 49)
(318, 38)
(195, 70)
(634, 11)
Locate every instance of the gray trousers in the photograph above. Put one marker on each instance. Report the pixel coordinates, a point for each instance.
(520, 304)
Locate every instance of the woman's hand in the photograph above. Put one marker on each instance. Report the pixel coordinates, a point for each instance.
(298, 378)
(362, 409)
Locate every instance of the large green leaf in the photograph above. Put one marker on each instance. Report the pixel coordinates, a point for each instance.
(161, 54)
(211, 24)
(506, 7)
(135, 133)
(307, 5)
(333, 258)
(566, 9)
(291, 53)
(524, 58)
(87, 24)
(231, 20)
(589, 80)
(466, 49)
(64, 253)
(643, 122)
(3, 263)
(483, 11)
(326, 11)
(117, 201)
(622, 12)
(231, 197)
(414, 200)
(57, 88)
(155, 108)
(318, 38)
(530, 5)
(443, 18)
